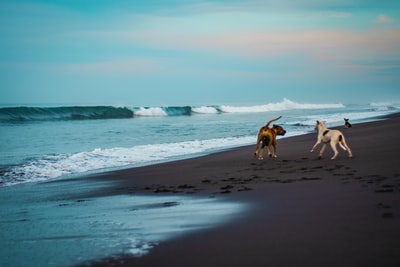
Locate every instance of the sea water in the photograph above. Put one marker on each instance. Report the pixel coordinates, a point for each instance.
(44, 151)
(42, 225)
(45, 143)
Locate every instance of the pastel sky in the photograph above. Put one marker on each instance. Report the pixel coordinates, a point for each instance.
(193, 52)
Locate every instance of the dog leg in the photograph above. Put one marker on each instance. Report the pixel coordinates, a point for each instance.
(316, 144)
(258, 146)
(347, 147)
(256, 151)
(260, 153)
(269, 150)
(322, 151)
(333, 146)
(342, 146)
(274, 151)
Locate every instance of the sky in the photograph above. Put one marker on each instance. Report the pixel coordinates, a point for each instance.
(193, 52)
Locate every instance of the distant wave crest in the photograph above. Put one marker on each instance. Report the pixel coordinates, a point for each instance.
(383, 106)
(26, 114)
(286, 104)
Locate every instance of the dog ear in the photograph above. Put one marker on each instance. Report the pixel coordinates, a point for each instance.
(317, 121)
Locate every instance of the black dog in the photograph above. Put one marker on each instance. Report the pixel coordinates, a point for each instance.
(347, 123)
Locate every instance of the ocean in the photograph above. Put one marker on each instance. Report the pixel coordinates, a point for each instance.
(45, 221)
(46, 143)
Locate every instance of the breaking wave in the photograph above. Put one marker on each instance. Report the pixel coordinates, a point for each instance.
(26, 114)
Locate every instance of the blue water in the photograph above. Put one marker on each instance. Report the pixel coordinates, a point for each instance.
(50, 224)
(44, 143)
(43, 224)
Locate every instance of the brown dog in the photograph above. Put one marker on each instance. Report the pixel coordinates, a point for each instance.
(267, 138)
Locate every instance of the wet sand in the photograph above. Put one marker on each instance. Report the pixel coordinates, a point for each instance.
(303, 211)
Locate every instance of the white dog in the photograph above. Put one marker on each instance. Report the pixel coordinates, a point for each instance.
(333, 137)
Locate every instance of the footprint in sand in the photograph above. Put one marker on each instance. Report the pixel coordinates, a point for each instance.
(387, 215)
(244, 188)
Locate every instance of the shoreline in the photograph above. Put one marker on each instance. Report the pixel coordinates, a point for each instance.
(306, 212)
(222, 209)
(45, 160)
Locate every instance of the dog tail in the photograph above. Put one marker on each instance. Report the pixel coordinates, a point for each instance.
(268, 123)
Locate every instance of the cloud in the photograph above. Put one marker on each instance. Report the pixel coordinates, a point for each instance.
(250, 31)
(318, 44)
(370, 67)
(139, 66)
(331, 14)
(257, 35)
(383, 19)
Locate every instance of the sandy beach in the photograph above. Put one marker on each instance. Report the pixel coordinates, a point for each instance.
(128, 131)
(302, 211)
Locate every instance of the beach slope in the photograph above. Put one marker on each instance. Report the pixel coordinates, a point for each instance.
(302, 211)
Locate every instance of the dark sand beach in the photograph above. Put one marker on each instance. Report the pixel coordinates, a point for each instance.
(303, 211)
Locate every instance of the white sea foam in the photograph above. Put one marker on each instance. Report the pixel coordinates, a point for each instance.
(149, 112)
(385, 106)
(98, 159)
(336, 119)
(205, 110)
(286, 104)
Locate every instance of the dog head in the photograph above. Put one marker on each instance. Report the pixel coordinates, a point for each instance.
(278, 129)
(319, 124)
